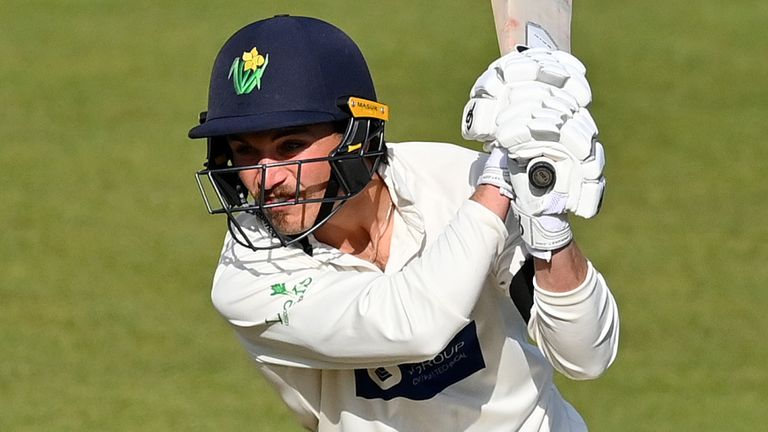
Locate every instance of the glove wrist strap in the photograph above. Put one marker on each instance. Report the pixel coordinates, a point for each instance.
(542, 236)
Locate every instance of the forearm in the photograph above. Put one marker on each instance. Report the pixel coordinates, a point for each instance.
(565, 271)
(489, 197)
(577, 330)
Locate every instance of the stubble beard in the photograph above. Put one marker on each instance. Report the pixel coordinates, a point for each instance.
(293, 219)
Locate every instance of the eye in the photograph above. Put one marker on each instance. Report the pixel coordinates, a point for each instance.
(242, 154)
(290, 148)
(237, 147)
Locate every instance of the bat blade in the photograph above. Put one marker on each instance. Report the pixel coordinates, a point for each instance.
(535, 23)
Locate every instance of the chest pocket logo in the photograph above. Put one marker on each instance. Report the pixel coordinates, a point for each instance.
(461, 358)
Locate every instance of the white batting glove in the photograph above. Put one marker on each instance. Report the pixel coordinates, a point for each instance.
(568, 142)
(532, 103)
(524, 78)
(570, 145)
(542, 232)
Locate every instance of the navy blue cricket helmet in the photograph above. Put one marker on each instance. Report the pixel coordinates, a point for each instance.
(277, 73)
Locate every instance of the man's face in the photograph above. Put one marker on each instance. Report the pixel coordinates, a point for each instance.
(281, 145)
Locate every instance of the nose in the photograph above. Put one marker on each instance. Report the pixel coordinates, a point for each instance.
(273, 176)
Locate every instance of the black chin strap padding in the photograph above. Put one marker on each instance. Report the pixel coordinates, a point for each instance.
(325, 210)
(305, 246)
(330, 192)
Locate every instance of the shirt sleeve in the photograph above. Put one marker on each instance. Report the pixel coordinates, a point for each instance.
(288, 310)
(299, 388)
(578, 331)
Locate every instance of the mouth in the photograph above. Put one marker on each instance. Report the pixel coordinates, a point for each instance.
(279, 202)
(272, 199)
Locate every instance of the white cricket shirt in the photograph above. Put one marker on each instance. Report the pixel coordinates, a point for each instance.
(434, 342)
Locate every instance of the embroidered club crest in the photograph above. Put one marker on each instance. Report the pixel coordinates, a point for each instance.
(247, 70)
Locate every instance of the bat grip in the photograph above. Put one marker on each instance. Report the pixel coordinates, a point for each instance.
(541, 173)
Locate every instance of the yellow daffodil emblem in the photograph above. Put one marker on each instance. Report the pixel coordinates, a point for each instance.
(247, 70)
(253, 60)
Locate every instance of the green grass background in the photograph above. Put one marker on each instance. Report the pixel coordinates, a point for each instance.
(106, 252)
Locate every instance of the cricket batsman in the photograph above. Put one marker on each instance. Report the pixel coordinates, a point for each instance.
(410, 286)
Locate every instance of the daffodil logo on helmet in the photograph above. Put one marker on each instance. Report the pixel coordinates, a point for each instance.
(246, 71)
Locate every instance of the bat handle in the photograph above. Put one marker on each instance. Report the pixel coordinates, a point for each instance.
(541, 173)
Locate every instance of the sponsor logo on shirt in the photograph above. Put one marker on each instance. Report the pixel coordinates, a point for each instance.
(293, 295)
(386, 377)
(419, 381)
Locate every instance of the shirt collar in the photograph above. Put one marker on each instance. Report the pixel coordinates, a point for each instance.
(408, 234)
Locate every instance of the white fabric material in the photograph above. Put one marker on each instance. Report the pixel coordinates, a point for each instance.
(309, 322)
(496, 172)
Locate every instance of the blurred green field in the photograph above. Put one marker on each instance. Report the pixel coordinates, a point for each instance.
(107, 252)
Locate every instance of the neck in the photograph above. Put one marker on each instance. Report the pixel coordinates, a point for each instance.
(363, 227)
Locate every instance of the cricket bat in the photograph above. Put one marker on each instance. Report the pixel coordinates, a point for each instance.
(534, 23)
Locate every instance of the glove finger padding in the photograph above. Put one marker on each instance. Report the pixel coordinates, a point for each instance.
(562, 70)
(519, 127)
(482, 116)
(578, 133)
(480, 120)
(575, 154)
(570, 62)
(590, 198)
(488, 85)
(529, 78)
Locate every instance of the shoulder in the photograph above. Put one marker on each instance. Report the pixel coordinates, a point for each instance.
(428, 163)
(432, 178)
(245, 280)
(425, 152)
